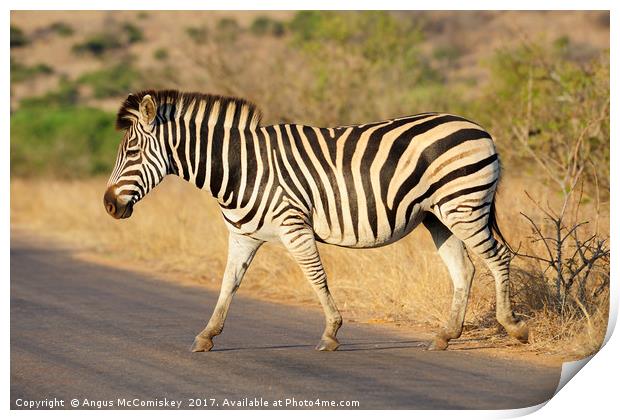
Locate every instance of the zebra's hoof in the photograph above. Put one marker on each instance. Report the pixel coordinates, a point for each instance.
(439, 343)
(201, 344)
(328, 344)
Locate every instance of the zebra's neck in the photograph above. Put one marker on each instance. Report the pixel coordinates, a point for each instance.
(203, 138)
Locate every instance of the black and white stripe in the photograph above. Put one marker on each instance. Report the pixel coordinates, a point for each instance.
(356, 186)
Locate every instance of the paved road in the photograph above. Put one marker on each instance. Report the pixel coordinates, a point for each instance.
(84, 331)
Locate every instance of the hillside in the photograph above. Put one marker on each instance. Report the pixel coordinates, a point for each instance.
(460, 43)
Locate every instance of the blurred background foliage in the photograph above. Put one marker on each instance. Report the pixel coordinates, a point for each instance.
(546, 92)
(77, 141)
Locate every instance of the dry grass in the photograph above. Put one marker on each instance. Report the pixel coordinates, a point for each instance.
(404, 283)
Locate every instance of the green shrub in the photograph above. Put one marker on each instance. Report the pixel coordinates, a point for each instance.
(197, 33)
(62, 141)
(133, 33)
(62, 29)
(160, 54)
(18, 37)
(21, 72)
(111, 81)
(447, 53)
(227, 30)
(227, 23)
(110, 40)
(264, 25)
(545, 100)
(67, 94)
(378, 35)
(99, 44)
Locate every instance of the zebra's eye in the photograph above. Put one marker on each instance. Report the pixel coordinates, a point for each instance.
(132, 153)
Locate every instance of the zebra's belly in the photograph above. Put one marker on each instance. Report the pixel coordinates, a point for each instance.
(364, 236)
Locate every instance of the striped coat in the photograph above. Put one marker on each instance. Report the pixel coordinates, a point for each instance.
(356, 186)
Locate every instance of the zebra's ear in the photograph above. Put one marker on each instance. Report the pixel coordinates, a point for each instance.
(148, 110)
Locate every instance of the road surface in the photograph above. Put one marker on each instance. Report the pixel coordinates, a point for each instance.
(117, 339)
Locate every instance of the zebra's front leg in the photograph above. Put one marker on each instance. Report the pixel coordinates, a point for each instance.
(241, 251)
(299, 240)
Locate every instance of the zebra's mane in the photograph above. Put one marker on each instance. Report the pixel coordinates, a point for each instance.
(129, 111)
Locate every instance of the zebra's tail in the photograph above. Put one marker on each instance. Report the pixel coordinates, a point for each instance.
(495, 227)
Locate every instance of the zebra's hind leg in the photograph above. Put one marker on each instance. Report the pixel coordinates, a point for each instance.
(241, 251)
(479, 239)
(454, 255)
(298, 238)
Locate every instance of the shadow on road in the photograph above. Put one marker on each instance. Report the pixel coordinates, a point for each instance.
(361, 346)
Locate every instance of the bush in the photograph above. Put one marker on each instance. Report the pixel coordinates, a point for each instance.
(227, 30)
(133, 33)
(555, 107)
(21, 72)
(447, 53)
(99, 44)
(18, 37)
(62, 29)
(378, 35)
(66, 95)
(111, 81)
(112, 39)
(160, 54)
(64, 141)
(198, 34)
(264, 25)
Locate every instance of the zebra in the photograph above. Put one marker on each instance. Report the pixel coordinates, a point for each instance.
(356, 186)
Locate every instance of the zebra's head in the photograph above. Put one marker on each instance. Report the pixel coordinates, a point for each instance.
(141, 162)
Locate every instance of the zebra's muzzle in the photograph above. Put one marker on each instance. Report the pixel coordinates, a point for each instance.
(115, 208)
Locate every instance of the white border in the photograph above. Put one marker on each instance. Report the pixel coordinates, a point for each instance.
(591, 395)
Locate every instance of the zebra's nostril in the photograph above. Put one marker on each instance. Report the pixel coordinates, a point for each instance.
(111, 209)
(109, 202)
